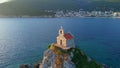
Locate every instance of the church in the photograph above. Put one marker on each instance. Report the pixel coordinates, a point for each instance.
(65, 40)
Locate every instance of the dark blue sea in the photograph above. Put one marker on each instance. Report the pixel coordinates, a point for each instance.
(23, 40)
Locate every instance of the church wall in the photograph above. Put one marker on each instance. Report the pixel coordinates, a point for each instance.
(63, 41)
(70, 43)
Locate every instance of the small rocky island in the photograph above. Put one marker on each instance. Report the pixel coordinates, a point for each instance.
(64, 54)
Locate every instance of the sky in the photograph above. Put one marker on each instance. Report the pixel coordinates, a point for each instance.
(4, 1)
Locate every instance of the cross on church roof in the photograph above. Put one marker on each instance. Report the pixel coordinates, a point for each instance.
(61, 27)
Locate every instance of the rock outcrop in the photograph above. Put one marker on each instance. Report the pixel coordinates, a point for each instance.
(56, 57)
(24, 66)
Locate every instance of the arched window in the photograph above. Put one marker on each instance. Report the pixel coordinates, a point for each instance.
(60, 42)
(60, 32)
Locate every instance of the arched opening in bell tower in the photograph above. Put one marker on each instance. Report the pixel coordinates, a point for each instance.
(60, 32)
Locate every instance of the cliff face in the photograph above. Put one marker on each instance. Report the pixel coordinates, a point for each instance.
(51, 60)
(56, 57)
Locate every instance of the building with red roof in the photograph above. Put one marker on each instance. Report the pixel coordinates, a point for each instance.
(65, 40)
(68, 36)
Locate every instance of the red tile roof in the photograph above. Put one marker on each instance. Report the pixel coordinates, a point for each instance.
(68, 36)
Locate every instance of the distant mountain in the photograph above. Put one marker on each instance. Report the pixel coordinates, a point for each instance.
(34, 7)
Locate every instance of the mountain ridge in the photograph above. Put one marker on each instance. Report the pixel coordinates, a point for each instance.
(33, 7)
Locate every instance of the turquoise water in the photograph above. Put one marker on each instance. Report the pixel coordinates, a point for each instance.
(23, 40)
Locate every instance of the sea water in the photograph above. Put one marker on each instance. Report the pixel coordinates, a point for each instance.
(24, 40)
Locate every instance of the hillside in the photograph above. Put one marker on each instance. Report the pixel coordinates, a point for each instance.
(34, 7)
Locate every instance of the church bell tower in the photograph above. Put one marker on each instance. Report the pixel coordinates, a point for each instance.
(61, 32)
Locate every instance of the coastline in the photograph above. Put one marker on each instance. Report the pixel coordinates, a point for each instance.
(56, 17)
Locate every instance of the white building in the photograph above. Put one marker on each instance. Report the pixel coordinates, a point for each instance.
(65, 40)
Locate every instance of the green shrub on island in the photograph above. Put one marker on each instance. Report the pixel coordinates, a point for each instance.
(81, 60)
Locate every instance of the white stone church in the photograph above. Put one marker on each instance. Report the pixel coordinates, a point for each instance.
(65, 40)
